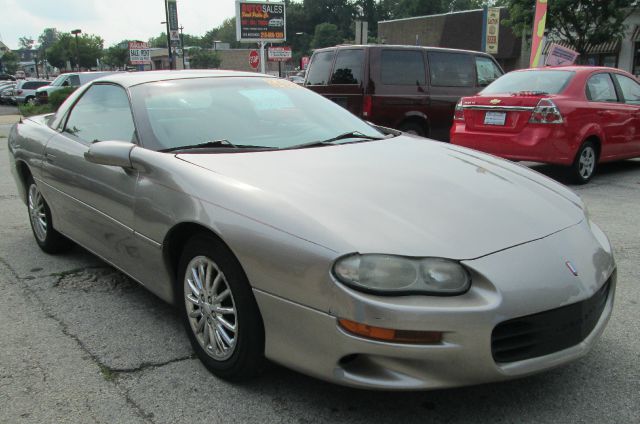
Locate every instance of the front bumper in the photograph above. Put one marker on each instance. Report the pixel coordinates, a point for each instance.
(520, 281)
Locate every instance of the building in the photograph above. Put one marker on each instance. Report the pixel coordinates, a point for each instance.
(456, 30)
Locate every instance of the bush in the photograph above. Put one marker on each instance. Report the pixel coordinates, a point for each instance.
(30, 110)
(58, 97)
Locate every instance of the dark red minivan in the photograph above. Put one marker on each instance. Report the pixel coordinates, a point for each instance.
(411, 88)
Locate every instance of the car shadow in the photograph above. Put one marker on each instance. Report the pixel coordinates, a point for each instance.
(610, 169)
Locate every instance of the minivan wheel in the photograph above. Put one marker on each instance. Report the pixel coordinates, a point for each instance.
(585, 163)
(48, 239)
(413, 128)
(219, 311)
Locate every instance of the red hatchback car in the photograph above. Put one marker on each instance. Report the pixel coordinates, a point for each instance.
(578, 116)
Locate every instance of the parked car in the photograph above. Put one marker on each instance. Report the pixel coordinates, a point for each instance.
(7, 77)
(72, 79)
(25, 91)
(576, 116)
(414, 89)
(282, 226)
(7, 95)
(20, 75)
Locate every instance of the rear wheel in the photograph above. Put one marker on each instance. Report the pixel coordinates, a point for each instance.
(31, 100)
(413, 128)
(585, 163)
(219, 312)
(46, 236)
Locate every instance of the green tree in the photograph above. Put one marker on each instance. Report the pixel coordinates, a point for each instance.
(203, 59)
(64, 49)
(326, 35)
(25, 43)
(117, 55)
(579, 22)
(9, 62)
(48, 37)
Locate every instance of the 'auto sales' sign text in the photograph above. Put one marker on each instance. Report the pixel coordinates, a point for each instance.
(260, 21)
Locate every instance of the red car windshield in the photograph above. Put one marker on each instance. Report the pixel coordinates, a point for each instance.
(533, 81)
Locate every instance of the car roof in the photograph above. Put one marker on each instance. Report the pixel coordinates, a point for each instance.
(129, 79)
(573, 68)
(401, 46)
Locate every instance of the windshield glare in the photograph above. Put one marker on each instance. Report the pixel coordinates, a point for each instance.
(550, 82)
(246, 111)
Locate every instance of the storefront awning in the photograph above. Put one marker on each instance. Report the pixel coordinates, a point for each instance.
(612, 47)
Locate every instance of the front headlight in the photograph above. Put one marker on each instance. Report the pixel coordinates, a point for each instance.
(388, 274)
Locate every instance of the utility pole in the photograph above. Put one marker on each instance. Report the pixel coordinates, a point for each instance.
(182, 46)
(76, 32)
(166, 12)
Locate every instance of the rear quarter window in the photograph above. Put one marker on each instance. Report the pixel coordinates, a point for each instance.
(402, 67)
(319, 68)
(451, 69)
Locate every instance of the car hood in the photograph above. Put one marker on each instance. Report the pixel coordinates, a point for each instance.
(406, 196)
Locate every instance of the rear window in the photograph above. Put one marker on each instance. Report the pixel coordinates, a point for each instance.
(402, 67)
(348, 67)
(451, 69)
(549, 82)
(319, 68)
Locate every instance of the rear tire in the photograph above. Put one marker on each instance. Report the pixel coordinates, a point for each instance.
(585, 164)
(219, 311)
(46, 236)
(413, 128)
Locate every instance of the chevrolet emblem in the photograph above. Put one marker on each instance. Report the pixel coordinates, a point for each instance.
(495, 101)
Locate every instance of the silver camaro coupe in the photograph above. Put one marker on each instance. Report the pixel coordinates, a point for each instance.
(284, 227)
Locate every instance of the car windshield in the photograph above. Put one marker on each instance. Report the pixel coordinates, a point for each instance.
(547, 82)
(58, 80)
(243, 111)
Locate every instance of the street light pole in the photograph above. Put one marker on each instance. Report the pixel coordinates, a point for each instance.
(76, 32)
(182, 46)
(166, 12)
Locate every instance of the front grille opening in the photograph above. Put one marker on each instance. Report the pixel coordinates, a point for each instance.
(547, 332)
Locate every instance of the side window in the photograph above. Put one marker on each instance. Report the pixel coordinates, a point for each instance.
(102, 113)
(487, 71)
(348, 67)
(402, 67)
(630, 89)
(451, 69)
(74, 81)
(319, 68)
(30, 85)
(600, 88)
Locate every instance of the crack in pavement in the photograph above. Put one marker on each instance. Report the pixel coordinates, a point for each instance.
(108, 373)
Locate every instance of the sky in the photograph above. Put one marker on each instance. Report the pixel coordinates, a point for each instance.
(113, 20)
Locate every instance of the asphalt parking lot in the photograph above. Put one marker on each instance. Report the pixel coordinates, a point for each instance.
(80, 342)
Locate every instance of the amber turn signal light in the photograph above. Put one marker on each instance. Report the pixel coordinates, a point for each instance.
(390, 335)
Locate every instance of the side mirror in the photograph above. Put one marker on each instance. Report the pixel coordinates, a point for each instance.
(110, 153)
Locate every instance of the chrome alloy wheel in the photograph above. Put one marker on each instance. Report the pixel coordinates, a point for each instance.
(210, 307)
(37, 213)
(587, 162)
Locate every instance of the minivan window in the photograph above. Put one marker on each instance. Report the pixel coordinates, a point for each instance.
(451, 69)
(550, 82)
(402, 67)
(487, 71)
(319, 68)
(348, 67)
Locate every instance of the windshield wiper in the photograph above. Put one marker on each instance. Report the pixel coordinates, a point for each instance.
(343, 136)
(213, 143)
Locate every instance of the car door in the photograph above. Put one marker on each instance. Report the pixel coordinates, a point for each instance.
(630, 93)
(611, 115)
(91, 203)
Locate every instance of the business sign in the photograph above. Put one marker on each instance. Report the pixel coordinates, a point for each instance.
(254, 59)
(560, 56)
(539, 23)
(172, 18)
(279, 54)
(260, 21)
(493, 30)
(139, 53)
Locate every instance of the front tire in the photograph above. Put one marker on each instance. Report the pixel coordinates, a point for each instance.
(46, 236)
(219, 311)
(413, 128)
(585, 164)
